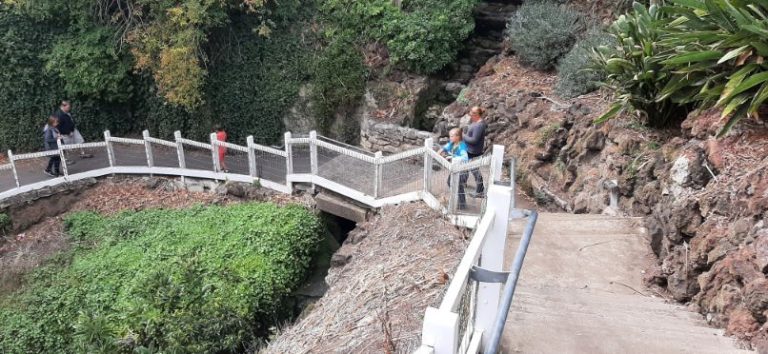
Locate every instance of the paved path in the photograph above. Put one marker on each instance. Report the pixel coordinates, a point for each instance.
(578, 293)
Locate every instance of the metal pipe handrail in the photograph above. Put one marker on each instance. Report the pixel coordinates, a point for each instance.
(511, 283)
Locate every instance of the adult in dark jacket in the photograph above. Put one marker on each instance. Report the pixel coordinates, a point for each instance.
(474, 137)
(68, 129)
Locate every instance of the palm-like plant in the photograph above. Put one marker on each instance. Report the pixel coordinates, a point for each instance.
(718, 57)
(634, 68)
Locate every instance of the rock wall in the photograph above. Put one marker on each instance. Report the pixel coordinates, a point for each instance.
(391, 138)
(30, 208)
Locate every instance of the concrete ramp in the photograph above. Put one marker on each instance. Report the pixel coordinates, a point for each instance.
(581, 291)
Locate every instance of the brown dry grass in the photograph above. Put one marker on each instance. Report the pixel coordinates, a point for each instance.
(376, 302)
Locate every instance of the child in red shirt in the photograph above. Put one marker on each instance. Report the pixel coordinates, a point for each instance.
(221, 135)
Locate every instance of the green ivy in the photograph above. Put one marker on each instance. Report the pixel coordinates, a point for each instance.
(421, 35)
(201, 280)
(338, 82)
(5, 223)
(90, 68)
(252, 80)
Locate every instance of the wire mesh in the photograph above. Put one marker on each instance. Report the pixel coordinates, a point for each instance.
(235, 161)
(345, 145)
(438, 183)
(466, 312)
(300, 156)
(198, 158)
(402, 176)
(32, 170)
(270, 166)
(164, 155)
(475, 185)
(346, 170)
(7, 182)
(86, 159)
(129, 154)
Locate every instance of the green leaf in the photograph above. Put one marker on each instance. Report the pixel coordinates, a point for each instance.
(735, 80)
(758, 99)
(695, 4)
(734, 103)
(612, 112)
(751, 82)
(732, 54)
(735, 118)
(693, 57)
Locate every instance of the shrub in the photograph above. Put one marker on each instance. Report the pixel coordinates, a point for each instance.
(338, 81)
(576, 74)
(634, 68)
(5, 223)
(201, 280)
(89, 67)
(429, 33)
(542, 32)
(717, 56)
(421, 35)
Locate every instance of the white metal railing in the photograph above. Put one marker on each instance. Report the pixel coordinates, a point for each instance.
(465, 321)
(369, 178)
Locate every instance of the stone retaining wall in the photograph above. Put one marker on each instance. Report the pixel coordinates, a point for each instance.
(391, 138)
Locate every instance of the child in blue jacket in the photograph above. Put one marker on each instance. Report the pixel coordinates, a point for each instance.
(456, 150)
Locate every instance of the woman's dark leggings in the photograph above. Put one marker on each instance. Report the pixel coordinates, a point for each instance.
(54, 165)
(476, 173)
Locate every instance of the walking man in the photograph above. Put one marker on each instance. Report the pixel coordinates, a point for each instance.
(475, 140)
(67, 128)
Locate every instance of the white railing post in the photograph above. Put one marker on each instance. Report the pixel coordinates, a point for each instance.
(313, 152)
(252, 167)
(492, 256)
(215, 153)
(110, 149)
(512, 181)
(455, 179)
(378, 174)
(288, 154)
(148, 149)
(180, 152)
(497, 162)
(427, 164)
(63, 159)
(180, 149)
(440, 331)
(13, 168)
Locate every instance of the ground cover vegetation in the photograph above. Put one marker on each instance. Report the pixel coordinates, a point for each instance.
(684, 54)
(203, 280)
(662, 60)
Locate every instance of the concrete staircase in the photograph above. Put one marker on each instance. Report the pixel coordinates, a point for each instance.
(581, 291)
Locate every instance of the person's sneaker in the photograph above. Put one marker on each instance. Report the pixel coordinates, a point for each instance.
(85, 156)
(477, 195)
(50, 174)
